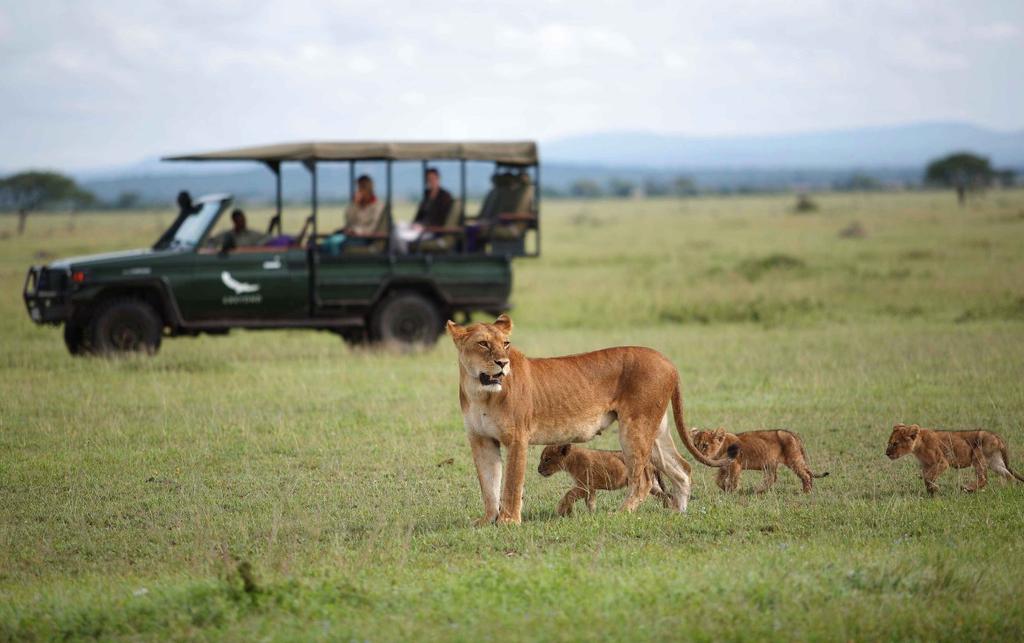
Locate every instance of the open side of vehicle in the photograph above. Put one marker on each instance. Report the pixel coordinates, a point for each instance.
(189, 282)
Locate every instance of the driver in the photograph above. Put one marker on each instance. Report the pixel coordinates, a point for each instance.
(239, 233)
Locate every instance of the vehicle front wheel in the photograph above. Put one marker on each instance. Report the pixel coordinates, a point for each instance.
(406, 318)
(74, 337)
(125, 326)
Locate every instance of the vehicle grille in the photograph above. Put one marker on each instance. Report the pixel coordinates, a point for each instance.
(52, 280)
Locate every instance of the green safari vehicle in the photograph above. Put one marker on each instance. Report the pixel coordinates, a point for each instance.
(187, 284)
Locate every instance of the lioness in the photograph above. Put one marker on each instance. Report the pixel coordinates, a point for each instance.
(511, 400)
(758, 450)
(939, 450)
(591, 470)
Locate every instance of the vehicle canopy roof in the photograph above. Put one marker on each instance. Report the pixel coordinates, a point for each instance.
(505, 152)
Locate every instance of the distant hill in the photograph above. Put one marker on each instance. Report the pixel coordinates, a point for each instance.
(897, 146)
(814, 160)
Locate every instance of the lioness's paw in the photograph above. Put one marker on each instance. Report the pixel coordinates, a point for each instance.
(508, 520)
(484, 521)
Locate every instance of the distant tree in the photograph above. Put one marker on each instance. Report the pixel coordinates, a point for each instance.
(961, 171)
(621, 187)
(128, 200)
(30, 191)
(805, 204)
(586, 189)
(1006, 178)
(859, 183)
(684, 186)
(653, 187)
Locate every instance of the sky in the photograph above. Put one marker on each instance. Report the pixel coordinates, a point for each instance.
(87, 84)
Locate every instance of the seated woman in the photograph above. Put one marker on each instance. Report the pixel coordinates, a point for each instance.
(362, 219)
(363, 215)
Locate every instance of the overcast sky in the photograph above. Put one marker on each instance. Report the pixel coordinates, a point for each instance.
(91, 84)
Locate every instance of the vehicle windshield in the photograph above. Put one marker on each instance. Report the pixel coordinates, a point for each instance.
(190, 232)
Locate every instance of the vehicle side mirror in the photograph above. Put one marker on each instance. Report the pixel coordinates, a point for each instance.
(228, 245)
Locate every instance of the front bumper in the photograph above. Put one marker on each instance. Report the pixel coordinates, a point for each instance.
(46, 294)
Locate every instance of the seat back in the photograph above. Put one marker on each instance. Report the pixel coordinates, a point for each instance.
(446, 241)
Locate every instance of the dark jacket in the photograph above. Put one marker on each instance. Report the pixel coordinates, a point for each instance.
(434, 212)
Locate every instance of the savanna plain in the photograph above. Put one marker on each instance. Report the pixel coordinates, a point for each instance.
(281, 485)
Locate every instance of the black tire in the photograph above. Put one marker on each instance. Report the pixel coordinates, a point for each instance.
(74, 337)
(406, 318)
(125, 326)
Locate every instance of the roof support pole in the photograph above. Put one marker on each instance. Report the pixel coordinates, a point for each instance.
(275, 221)
(536, 204)
(311, 166)
(462, 199)
(387, 205)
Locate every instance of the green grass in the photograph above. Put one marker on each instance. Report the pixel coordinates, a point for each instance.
(280, 485)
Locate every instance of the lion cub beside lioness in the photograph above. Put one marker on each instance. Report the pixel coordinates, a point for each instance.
(939, 450)
(591, 470)
(758, 451)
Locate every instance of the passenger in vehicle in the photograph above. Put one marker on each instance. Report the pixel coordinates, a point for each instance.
(363, 215)
(239, 234)
(432, 212)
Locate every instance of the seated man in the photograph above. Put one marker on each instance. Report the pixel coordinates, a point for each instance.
(432, 212)
(239, 234)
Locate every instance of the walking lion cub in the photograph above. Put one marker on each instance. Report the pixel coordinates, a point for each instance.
(939, 450)
(760, 451)
(592, 470)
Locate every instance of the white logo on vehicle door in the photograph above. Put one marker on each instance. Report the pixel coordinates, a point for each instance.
(239, 287)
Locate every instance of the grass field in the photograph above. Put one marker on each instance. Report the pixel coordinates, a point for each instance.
(279, 485)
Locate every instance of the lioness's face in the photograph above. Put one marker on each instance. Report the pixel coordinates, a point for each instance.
(709, 442)
(902, 440)
(551, 459)
(484, 351)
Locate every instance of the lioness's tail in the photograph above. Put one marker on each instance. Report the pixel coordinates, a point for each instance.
(677, 415)
(1006, 462)
(803, 452)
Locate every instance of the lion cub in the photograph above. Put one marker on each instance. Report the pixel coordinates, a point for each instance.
(591, 470)
(939, 450)
(758, 450)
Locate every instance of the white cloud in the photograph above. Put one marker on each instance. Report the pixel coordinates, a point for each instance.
(99, 84)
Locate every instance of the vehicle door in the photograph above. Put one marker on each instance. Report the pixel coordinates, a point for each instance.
(255, 284)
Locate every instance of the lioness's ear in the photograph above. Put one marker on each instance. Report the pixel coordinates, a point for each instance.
(914, 429)
(457, 332)
(504, 324)
(564, 449)
(720, 432)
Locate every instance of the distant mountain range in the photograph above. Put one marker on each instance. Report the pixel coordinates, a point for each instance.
(896, 146)
(894, 155)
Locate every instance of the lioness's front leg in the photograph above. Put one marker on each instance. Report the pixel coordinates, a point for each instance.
(487, 458)
(512, 491)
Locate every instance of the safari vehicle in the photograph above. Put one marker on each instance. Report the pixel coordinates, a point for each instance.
(370, 292)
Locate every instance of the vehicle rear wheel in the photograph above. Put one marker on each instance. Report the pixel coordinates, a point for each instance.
(406, 318)
(125, 326)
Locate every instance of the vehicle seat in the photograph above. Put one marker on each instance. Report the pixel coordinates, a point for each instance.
(377, 240)
(446, 238)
